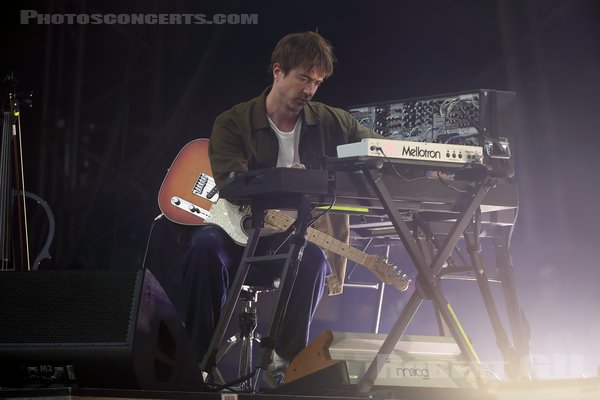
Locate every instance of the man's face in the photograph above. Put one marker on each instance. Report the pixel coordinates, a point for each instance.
(297, 87)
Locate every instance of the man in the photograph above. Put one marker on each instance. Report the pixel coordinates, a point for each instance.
(279, 128)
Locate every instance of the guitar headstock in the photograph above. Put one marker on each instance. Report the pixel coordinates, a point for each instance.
(387, 272)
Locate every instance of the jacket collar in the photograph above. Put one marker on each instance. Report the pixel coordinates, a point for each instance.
(259, 114)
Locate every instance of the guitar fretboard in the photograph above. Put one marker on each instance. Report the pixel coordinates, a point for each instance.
(384, 271)
(337, 246)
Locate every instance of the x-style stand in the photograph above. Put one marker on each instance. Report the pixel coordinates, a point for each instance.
(428, 279)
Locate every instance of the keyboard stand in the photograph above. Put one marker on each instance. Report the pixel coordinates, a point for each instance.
(461, 216)
(428, 280)
(288, 276)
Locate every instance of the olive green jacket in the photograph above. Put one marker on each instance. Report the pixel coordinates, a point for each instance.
(243, 140)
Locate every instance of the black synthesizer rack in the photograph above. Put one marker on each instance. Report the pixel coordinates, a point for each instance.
(483, 117)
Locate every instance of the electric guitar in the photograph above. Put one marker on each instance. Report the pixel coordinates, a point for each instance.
(189, 196)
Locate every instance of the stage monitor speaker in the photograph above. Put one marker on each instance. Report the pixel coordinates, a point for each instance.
(103, 329)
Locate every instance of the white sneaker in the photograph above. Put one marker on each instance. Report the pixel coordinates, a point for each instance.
(273, 375)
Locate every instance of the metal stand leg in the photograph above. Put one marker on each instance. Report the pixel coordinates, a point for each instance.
(381, 293)
(426, 246)
(428, 279)
(516, 354)
(516, 316)
(288, 276)
(474, 249)
(210, 358)
(247, 329)
(380, 287)
(209, 361)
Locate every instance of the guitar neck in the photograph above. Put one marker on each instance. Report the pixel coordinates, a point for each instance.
(336, 246)
(380, 268)
(323, 240)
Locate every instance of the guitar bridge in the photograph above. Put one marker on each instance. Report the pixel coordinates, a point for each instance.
(206, 188)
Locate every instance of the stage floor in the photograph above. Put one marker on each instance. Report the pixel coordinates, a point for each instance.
(104, 394)
(573, 389)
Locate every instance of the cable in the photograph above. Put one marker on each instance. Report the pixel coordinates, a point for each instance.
(379, 149)
(229, 385)
(149, 237)
(315, 218)
(447, 184)
(448, 104)
(465, 113)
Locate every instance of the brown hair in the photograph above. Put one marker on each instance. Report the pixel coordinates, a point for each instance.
(308, 49)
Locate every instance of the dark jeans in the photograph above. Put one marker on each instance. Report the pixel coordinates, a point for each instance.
(210, 263)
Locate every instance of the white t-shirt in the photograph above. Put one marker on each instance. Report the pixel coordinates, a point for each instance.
(288, 144)
(288, 156)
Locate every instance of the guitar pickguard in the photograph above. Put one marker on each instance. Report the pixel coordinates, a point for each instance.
(229, 217)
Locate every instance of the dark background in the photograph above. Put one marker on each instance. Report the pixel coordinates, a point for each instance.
(113, 104)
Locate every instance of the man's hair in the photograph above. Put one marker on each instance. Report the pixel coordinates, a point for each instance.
(305, 49)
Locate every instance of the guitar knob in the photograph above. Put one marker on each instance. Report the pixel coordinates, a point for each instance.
(176, 200)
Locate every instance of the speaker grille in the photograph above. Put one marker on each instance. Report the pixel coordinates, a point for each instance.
(51, 307)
